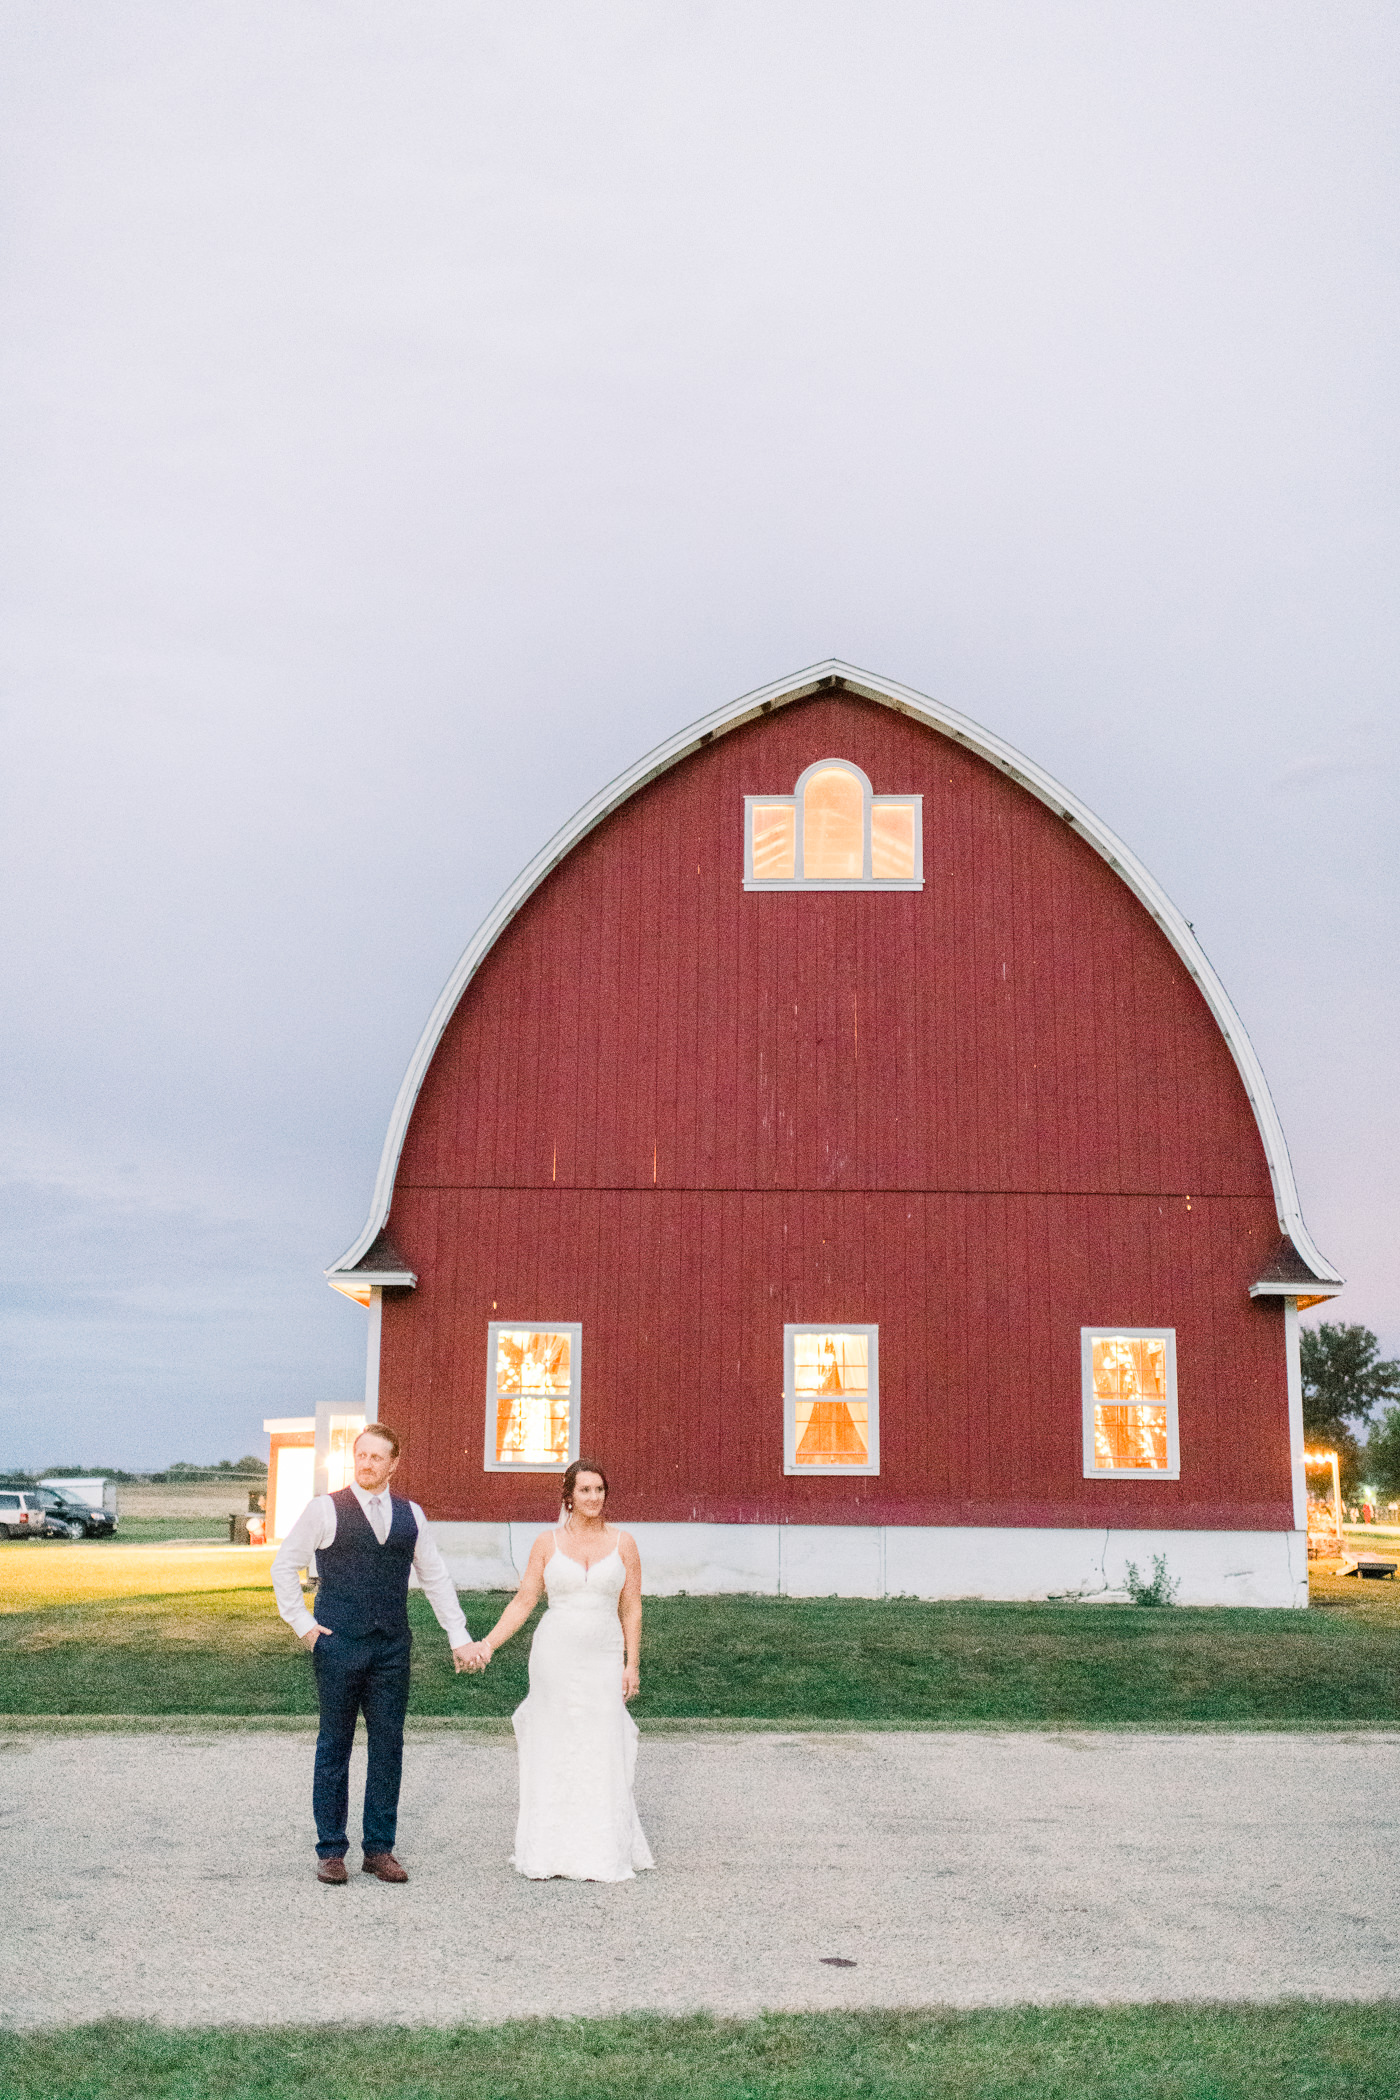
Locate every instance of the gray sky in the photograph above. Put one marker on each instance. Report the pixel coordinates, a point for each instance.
(416, 411)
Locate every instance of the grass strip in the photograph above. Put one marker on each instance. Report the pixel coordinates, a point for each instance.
(778, 1661)
(1294, 2050)
(149, 1531)
(16, 1730)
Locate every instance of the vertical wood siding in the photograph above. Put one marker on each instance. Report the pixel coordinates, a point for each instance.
(980, 1115)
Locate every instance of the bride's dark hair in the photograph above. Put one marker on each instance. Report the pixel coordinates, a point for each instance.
(581, 1465)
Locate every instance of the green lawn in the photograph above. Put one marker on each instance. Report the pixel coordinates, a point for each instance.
(1274, 2052)
(148, 1531)
(892, 1663)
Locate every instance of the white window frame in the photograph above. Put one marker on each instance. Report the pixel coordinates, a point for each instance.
(574, 1330)
(790, 1465)
(1103, 1332)
(869, 800)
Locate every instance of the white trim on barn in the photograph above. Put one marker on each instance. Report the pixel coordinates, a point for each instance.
(870, 1465)
(376, 1329)
(750, 707)
(1014, 1565)
(1299, 1295)
(1293, 1361)
(870, 802)
(1108, 1333)
(495, 1328)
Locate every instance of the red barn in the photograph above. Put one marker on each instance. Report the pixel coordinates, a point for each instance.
(837, 1132)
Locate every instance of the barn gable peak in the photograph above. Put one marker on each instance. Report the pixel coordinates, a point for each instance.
(351, 1274)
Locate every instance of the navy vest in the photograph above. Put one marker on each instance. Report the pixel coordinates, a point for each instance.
(363, 1586)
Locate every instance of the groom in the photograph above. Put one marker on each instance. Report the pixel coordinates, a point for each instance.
(365, 1540)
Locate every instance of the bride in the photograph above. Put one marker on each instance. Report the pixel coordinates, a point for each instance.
(576, 1740)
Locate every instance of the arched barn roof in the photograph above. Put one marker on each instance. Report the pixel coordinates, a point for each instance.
(1298, 1270)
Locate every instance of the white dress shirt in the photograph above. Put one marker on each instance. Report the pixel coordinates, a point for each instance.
(315, 1528)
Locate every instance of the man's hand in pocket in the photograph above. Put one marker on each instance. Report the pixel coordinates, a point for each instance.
(312, 1635)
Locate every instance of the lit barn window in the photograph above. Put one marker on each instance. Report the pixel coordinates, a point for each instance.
(833, 826)
(831, 1380)
(532, 1389)
(833, 833)
(333, 1456)
(1130, 1429)
(341, 1432)
(893, 844)
(295, 1485)
(774, 841)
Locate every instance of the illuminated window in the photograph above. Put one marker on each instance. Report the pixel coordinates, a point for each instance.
(336, 1431)
(295, 1485)
(532, 1388)
(833, 825)
(1130, 1403)
(340, 1460)
(773, 832)
(832, 833)
(832, 1401)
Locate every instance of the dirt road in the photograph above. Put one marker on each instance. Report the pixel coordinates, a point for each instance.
(171, 1877)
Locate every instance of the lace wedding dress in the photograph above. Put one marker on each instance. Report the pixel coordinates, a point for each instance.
(576, 1740)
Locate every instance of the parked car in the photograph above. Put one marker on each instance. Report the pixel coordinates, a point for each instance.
(93, 1490)
(22, 1513)
(97, 1523)
(59, 1521)
(67, 1518)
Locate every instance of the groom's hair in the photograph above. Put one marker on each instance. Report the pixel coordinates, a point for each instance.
(383, 1432)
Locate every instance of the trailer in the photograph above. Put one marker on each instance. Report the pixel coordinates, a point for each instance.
(93, 1490)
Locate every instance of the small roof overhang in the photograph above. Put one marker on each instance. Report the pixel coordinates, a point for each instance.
(380, 1267)
(1289, 1276)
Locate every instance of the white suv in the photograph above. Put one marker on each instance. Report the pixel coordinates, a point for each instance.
(22, 1513)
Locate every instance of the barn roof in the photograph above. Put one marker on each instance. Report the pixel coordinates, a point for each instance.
(372, 1260)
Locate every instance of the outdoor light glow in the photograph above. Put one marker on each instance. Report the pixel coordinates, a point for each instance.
(1317, 1529)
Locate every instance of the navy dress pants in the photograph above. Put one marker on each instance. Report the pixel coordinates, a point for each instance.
(368, 1676)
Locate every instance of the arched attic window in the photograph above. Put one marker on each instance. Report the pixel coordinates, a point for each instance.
(833, 833)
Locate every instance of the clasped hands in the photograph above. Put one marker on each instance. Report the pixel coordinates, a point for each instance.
(472, 1657)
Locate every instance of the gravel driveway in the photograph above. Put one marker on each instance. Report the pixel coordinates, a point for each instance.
(170, 1876)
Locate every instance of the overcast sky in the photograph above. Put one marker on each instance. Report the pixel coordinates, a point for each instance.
(416, 411)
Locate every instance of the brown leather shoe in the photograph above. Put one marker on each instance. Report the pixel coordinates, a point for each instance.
(332, 1871)
(384, 1865)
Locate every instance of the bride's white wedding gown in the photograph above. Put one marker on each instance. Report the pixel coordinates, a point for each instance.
(576, 1739)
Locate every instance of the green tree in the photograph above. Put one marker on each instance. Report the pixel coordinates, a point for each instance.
(1381, 1459)
(1345, 1379)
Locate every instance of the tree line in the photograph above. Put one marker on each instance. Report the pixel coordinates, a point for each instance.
(1351, 1405)
(248, 1467)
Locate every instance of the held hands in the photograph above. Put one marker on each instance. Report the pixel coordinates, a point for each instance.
(631, 1681)
(472, 1656)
